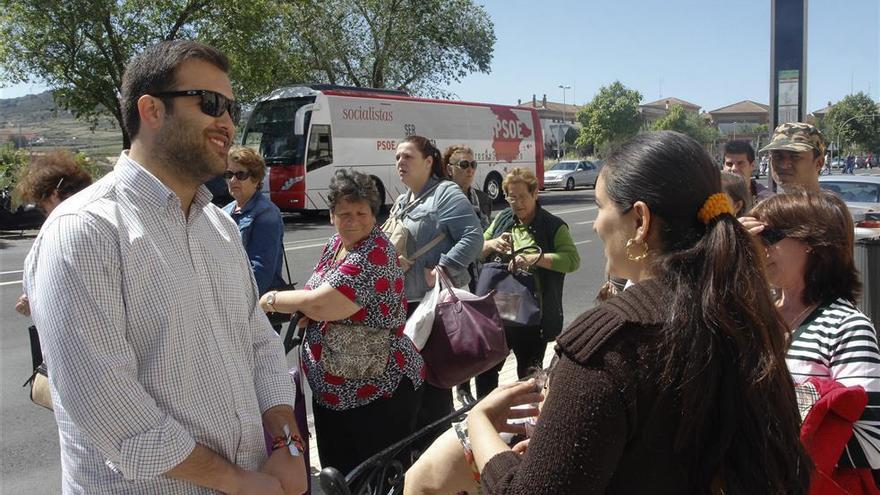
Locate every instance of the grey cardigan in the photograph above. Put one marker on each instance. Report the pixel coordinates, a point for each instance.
(446, 209)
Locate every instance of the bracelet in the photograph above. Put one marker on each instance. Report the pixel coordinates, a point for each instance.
(293, 443)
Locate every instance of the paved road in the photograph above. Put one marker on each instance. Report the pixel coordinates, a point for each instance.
(29, 460)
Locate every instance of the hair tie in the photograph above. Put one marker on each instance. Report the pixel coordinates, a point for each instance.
(715, 205)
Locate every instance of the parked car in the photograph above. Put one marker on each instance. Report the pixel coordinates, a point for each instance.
(861, 193)
(571, 174)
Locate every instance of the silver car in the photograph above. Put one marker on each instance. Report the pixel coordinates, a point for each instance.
(861, 193)
(571, 174)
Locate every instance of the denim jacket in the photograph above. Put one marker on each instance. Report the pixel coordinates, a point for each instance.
(262, 232)
(447, 210)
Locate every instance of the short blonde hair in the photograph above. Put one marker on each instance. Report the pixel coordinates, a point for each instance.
(522, 176)
(251, 161)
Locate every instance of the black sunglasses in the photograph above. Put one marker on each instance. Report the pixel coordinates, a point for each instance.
(771, 236)
(464, 164)
(211, 103)
(240, 175)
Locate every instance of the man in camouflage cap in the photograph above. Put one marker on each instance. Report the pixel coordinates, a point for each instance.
(797, 155)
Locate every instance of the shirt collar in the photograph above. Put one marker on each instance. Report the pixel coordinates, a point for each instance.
(151, 189)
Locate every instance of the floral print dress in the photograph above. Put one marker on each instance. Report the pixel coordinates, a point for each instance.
(371, 277)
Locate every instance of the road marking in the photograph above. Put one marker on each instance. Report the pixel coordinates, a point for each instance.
(578, 243)
(585, 223)
(307, 240)
(305, 247)
(10, 283)
(563, 212)
(13, 271)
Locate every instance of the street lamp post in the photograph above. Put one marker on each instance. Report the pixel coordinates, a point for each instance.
(562, 126)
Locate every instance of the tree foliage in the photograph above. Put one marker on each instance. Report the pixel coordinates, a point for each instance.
(850, 123)
(80, 48)
(686, 123)
(414, 45)
(612, 115)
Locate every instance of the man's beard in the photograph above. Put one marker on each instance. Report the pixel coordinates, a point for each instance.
(185, 152)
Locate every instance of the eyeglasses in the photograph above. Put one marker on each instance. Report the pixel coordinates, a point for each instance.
(211, 103)
(770, 236)
(240, 175)
(515, 199)
(464, 164)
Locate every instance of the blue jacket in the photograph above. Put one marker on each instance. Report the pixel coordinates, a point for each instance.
(262, 233)
(446, 210)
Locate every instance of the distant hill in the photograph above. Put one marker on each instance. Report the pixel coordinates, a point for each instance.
(44, 126)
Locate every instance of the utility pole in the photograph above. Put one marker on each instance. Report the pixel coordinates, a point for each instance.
(562, 127)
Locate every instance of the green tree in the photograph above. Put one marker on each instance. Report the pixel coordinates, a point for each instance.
(686, 123)
(612, 115)
(854, 122)
(81, 48)
(414, 45)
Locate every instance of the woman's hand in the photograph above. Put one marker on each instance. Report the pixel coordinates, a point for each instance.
(752, 224)
(500, 406)
(430, 276)
(501, 244)
(524, 261)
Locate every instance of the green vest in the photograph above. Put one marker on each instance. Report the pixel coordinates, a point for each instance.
(543, 228)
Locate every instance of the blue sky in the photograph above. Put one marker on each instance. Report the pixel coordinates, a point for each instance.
(709, 52)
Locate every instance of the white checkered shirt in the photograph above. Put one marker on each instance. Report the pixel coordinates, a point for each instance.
(153, 335)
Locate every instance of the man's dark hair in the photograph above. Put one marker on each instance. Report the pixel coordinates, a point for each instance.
(155, 70)
(740, 147)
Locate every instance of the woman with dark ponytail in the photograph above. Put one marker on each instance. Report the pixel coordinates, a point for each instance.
(679, 383)
(445, 233)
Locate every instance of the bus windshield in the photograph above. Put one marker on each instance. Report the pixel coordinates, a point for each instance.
(270, 130)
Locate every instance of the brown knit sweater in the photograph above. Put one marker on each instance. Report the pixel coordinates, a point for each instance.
(604, 426)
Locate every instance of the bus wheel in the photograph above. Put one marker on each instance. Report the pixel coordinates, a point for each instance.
(383, 207)
(493, 187)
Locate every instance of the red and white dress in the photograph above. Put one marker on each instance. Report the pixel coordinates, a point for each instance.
(371, 277)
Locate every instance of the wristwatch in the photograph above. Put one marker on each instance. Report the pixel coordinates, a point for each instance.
(270, 300)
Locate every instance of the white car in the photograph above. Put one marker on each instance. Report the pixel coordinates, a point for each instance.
(571, 174)
(861, 193)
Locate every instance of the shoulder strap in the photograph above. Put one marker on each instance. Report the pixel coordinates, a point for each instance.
(405, 209)
(427, 247)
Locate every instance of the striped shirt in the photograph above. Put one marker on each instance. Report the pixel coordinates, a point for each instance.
(153, 336)
(838, 342)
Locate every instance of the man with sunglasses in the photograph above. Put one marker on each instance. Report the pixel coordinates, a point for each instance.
(797, 156)
(165, 373)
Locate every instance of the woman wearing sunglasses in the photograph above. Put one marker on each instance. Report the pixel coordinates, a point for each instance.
(808, 239)
(462, 168)
(259, 220)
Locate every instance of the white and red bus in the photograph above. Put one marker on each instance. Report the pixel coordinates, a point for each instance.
(305, 132)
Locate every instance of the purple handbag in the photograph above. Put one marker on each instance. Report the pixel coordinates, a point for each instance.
(467, 337)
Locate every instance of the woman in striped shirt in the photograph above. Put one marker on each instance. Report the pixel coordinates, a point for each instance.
(809, 244)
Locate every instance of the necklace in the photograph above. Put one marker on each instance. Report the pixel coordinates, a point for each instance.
(794, 322)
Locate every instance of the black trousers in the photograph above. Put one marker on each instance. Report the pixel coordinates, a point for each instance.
(528, 347)
(348, 438)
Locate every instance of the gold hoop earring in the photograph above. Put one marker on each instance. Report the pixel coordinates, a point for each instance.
(630, 256)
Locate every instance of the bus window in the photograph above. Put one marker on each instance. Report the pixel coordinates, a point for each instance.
(270, 130)
(320, 148)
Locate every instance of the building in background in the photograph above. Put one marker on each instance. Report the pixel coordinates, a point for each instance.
(557, 119)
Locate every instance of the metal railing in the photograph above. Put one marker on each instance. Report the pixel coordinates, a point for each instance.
(383, 473)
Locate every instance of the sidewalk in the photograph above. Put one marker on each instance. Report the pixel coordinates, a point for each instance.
(508, 375)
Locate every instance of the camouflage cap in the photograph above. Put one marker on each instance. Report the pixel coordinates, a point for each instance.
(796, 136)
